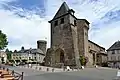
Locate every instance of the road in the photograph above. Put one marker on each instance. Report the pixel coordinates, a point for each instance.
(86, 74)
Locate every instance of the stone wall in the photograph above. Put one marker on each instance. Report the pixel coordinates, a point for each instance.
(41, 44)
(97, 50)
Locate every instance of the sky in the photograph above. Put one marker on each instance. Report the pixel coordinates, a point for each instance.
(26, 21)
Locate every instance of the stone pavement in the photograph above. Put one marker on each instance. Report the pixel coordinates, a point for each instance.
(86, 74)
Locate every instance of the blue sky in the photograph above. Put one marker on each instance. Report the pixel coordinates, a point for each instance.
(26, 21)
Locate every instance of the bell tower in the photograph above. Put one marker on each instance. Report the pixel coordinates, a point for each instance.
(64, 35)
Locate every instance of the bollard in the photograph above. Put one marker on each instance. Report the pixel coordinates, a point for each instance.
(82, 67)
(3, 68)
(22, 76)
(13, 72)
(39, 68)
(53, 70)
(47, 69)
(63, 68)
(72, 69)
(7, 69)
(36, 67)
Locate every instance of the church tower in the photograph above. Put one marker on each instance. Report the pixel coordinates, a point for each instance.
(64, 39)
(69, 39)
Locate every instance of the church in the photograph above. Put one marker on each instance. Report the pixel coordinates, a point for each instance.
(69, 40)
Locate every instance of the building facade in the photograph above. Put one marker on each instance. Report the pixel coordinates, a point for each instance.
(3, 57)
(114, 55)
(97, 53)
(69, 40)
(28, 55)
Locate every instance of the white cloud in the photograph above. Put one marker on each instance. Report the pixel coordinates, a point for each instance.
(25, 32)
(107, 35)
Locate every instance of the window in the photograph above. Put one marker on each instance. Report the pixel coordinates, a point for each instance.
(62, 20)
(35, 58)
(118, 51)
(119, 58)
(29, 58)
(113, 58)
(75, 23)
(113, 52)
(56, 23)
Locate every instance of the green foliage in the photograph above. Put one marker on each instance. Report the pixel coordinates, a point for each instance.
(8, 54)
(82, 60)
(3, 40)
(7, 50)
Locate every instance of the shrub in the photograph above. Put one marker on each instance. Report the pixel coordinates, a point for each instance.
(82, 60)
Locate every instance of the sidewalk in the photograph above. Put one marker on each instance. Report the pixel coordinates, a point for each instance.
(47, 69)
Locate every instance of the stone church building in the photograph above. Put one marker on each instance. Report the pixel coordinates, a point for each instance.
(69, 40)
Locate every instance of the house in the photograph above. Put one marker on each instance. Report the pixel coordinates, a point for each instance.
(28, 55)
(114, 55)
(3, 57)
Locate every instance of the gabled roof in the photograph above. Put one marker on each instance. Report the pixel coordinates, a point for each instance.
(115, 46)
(62, 10)
(32, 51)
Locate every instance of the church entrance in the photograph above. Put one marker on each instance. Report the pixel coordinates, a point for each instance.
(60, 57)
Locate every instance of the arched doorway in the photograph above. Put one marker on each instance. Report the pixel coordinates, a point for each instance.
(60, 57)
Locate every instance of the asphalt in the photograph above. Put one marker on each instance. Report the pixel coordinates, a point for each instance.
(86, 74)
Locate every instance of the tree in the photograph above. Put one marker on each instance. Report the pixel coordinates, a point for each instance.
(3, 40)
(7, 50)
(8, 54)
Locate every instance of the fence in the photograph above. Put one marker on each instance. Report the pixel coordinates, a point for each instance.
(17, 76)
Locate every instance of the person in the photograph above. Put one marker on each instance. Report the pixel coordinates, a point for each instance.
(29, 65)
(68, 68)
(82, 67)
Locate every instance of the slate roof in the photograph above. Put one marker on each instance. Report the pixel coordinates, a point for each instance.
(115, 46)
(62, 10)
(32, 51)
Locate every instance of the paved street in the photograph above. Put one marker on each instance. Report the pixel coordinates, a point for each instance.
(86, 74)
